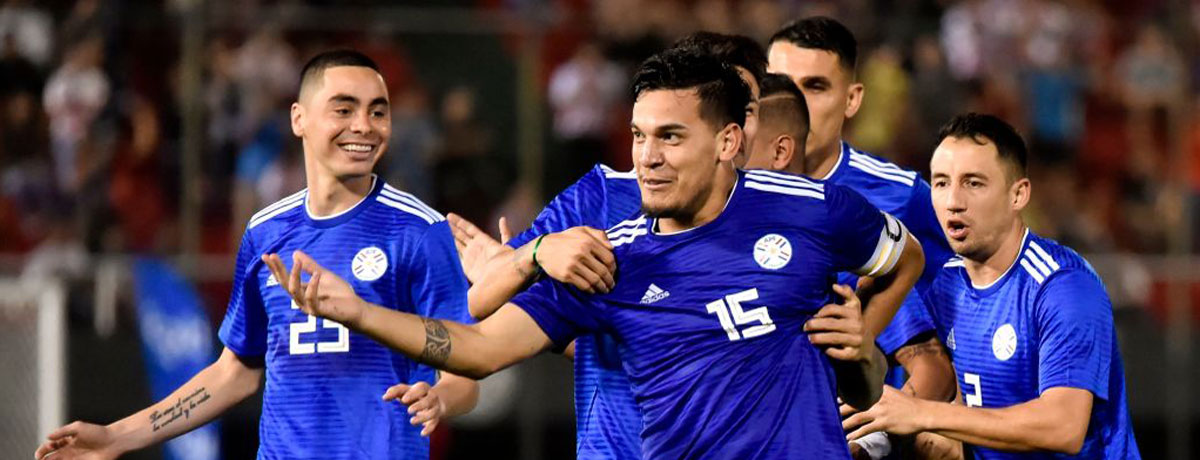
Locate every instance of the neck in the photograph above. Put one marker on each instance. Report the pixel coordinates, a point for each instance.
(714, 203)
(329, 195)
(987, 270)
(818, 164)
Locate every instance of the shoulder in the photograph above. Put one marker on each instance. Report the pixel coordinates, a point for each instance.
(781, 185)
(276, 211)
(884, 171)
(1045, 260)
(610, 174)
(407, 209)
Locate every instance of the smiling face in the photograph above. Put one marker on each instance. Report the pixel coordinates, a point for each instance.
(677, 153)
(344, 120)
(977, 196)
(828, 87)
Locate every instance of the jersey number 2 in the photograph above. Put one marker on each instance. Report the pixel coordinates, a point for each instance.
(341, 345)
(729, 312)
(976, 399)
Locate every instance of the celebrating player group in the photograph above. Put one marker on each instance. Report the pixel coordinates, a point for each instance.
(756, 288)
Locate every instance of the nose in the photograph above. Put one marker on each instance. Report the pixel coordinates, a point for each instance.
(955, 199)
(361, 122)
(647, 154)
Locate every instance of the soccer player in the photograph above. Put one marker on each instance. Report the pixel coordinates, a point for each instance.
(782, 127)
(1027, 320)
(323, 383)
(608, 422)
(820, 55)
(720, 310)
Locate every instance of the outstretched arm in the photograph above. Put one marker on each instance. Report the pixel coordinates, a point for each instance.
(208, 394)
(474, 351)
(579, 256)
(1056, 421)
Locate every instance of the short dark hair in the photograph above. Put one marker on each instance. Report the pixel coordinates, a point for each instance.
(723, 94)
(315, 68)
(781, 100)
(821, 33)
(738, 50)
(981, 129)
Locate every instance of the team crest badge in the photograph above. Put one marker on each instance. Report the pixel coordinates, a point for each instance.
(772, 251)
(369, 264)
(1004, 342)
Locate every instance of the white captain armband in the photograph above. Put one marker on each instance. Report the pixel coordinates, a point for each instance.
(888, 248)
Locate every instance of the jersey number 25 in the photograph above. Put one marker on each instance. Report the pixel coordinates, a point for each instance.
(295, 347)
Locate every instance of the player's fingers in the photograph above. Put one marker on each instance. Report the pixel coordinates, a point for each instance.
(602, 251)
(293, 282)
(845, 410)
(312, 291)
(505, 232)
(828, 324)
(274, 267)
(600, 236)
(833, 310)
(416, 391)
(607, 281)
(426, 403)
(429, 427)
(46, 448)
(594, 281)
(395, 391)
(848, 294)
(70, 429)
(834, 339)
(855, 420)
(843, 353)
(425, 415)
(863, 431)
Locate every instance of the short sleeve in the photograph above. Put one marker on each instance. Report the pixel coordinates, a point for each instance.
(561, 311)
(436, 284)
(911, 320)
(244, 329)
(582, 204)
(866, 241)
(1075, 325)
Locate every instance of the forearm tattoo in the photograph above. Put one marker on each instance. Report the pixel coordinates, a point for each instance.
(931, 347)
(182, 408)
(437, 343)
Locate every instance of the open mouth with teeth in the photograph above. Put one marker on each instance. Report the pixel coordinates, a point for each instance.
(956, 229)
(358, 151)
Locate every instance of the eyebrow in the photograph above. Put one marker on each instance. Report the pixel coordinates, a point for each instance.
(354, 100)
(816, 79)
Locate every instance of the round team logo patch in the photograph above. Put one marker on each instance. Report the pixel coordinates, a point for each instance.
(369, 264)
(772, 251)
(1004, 342)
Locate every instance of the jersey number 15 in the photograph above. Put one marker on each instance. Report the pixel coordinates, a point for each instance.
(731, 315)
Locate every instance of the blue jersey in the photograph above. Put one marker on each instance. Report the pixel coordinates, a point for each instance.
(324, 383)
(1047, 322)
(709, 320)
(607, 421)
(905, 195)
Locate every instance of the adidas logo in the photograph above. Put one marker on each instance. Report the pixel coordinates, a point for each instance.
(950, 340)
(271, 281)
(654, 294)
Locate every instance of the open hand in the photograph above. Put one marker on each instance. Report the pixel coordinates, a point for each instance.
(325, 294)
(424, 404)
(79, 440)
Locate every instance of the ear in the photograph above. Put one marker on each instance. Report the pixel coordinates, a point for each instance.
(297, 117)
(784, 152)
(729, 142)
(1020, 193)
(854, 98)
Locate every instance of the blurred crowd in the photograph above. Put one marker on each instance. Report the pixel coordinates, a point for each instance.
(92, 107)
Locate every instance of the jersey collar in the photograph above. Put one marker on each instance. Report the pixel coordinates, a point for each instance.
(843, 156)
(341, 217)
(724, 210)
(991, 287)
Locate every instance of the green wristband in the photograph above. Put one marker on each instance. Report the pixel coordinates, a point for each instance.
(537, 245)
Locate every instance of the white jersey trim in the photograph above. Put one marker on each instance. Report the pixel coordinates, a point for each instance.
(1009, 269)
(277, 208)
(411, 201)
(308, 211)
